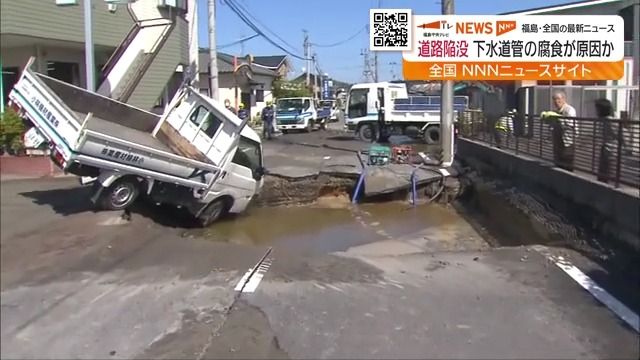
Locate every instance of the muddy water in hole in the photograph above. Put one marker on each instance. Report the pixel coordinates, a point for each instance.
(332, 224)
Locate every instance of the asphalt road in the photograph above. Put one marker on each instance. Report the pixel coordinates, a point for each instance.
(379, 281)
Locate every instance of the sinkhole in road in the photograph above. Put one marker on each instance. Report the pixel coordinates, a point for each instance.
(332, 224)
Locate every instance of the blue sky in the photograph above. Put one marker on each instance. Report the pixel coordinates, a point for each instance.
(330, 21)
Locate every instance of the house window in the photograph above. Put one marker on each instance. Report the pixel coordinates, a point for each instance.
(64, 71)
(259, 95)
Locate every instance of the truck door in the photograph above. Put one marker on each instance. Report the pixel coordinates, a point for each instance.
(357, 105)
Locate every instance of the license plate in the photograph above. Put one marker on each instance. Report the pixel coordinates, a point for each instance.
(84, 180)
(33, 139)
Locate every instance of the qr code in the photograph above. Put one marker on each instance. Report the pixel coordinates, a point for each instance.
(390, 29)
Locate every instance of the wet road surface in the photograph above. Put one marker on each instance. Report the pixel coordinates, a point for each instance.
(377, 281)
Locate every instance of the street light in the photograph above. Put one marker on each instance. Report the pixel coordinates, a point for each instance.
(89, 60)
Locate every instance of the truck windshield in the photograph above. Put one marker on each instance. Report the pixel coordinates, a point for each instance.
(290, 104)
(248, 154)
(358, 103)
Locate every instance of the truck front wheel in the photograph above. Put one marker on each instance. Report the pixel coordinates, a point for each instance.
(309, 127)
(120, 195)
(366, 132)
(212, 212)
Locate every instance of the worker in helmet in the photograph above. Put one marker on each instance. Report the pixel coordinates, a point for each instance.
(267, 121)
(243, 113)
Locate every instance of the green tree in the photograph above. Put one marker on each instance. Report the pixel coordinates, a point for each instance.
(283, 89)
(11, 131)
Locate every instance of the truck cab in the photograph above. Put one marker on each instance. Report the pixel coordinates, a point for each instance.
(299, 113)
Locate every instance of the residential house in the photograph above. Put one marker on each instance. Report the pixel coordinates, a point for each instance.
(241, 79)
(278, 63)
(629, 10)
(137, 47)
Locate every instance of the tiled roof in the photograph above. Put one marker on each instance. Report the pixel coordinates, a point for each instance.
(225, 64)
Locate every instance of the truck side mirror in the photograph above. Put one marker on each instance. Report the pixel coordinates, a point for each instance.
(259, 173)
(377, 105)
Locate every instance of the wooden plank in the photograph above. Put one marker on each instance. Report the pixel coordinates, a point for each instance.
(179, 145)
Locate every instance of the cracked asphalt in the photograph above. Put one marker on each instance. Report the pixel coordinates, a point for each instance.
(379, 281)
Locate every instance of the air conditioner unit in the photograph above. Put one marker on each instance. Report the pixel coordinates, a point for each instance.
(66, 2)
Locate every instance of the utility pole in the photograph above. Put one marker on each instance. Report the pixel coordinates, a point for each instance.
(306, 45)
(446, 106)
(89, 61)
(366, 71)
(213, 52)
(315, 81)
(375, 54)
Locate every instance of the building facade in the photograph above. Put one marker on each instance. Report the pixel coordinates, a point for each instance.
(241, 80)
(137, 47)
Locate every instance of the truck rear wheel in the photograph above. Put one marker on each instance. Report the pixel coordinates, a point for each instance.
(432, 135)
(212, 212)
(120, 195)
(366, 132)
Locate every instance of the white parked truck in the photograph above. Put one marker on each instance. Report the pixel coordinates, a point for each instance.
(404, 114)
(300, 113)
(197, 155)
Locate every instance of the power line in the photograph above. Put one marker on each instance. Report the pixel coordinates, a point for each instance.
(343, 41)
(239, 41)
(247, 12)
(248, 22)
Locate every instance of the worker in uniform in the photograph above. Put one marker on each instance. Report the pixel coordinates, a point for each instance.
(494, 108)
(242, 112)
(267, 121)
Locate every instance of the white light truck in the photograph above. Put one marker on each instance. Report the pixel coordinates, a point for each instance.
(197, 155)
(300, 113)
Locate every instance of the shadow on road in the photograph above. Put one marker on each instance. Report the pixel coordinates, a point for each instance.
(65, 201)
(342, 138)
(72, 201)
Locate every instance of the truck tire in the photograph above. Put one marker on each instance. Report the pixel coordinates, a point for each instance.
(309, 127)
(212, 212)
(120, 195)
(285, 132)
(432, 135)
(367, 132)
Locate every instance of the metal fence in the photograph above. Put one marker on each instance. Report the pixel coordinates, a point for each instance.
(533, 136)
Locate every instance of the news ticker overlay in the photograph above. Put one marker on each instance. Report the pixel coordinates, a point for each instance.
(537, 47)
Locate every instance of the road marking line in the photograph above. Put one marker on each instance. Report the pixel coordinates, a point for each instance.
(251, 279)
(620, 309)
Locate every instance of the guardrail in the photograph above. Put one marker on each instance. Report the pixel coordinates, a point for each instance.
(606, 148)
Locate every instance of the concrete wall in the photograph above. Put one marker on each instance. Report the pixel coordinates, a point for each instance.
(614, 213)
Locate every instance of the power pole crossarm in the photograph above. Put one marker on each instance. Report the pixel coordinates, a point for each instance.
(213, 52)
